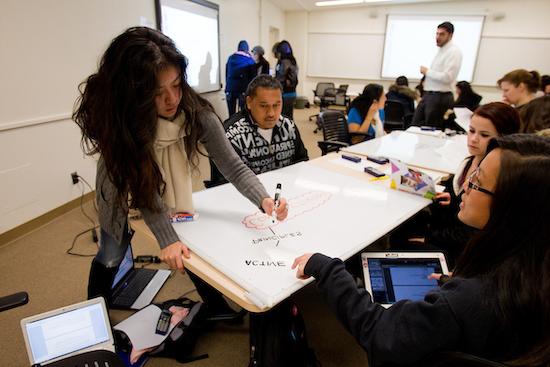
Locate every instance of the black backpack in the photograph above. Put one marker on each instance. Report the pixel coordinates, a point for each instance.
(278, 338)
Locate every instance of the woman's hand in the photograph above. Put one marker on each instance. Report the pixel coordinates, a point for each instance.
(370, 113)
(268, 205)
(443, 198)
(300, 264)
(171, 255)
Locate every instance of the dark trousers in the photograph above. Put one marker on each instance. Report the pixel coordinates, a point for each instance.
(232, 99)
(288, 107)
(431, 109)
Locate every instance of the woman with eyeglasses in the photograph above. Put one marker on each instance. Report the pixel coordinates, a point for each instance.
(497, 303)
(446, 232)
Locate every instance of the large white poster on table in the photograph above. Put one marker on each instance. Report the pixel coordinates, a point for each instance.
(328, 213)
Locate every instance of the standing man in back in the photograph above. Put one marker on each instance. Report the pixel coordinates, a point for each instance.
(440, 80)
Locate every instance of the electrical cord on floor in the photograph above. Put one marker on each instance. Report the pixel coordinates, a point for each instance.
(94, 227)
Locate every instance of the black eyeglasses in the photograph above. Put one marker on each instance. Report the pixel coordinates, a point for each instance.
(473, 186)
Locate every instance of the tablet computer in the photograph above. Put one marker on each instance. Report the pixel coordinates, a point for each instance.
(395, 276)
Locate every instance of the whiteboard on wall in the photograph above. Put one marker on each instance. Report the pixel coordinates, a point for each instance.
(499, 55)
(410, 43)
(345, 55)
(328, 212)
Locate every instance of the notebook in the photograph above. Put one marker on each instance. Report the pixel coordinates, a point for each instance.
(135, 288)
(394, 276)
(67, 331)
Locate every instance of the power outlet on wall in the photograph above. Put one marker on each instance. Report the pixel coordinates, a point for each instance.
(74, 177)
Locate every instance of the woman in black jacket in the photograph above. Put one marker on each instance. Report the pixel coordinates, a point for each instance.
(497, 304)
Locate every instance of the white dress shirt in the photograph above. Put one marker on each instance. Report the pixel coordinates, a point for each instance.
(441, 75)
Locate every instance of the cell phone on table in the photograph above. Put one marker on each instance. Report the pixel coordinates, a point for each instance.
(374, 172)
(377, 159)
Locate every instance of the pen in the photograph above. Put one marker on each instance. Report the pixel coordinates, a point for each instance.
(276, 201)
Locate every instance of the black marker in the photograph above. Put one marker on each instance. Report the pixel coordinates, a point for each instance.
(276, 200)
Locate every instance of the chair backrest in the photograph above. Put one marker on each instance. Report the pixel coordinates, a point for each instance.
(322, 87)
(394, 116)
(344, 87)
(335, 126)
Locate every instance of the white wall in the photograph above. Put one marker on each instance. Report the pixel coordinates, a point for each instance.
(45, 40)
(522, 21)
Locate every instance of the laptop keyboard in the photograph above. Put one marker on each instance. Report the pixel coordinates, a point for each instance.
(136, 284)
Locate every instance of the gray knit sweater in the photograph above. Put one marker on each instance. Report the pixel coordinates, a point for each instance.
(113, 214)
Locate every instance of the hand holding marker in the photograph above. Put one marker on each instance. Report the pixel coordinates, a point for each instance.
(276, 203)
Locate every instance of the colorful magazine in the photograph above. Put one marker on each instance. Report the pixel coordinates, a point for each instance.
(407, 179)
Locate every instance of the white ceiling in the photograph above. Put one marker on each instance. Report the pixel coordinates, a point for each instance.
(309, 5)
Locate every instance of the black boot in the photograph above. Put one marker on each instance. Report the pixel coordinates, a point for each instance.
(216, 306)
(100, 281)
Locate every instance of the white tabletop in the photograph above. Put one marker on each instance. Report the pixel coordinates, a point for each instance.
(329, 212)
(422, 151)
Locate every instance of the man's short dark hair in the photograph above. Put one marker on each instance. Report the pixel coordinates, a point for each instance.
(263, 81)
(448, 26)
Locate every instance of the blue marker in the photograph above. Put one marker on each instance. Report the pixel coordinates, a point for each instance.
(427, 128)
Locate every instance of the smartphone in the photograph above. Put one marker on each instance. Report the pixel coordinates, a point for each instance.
(376, 159)
(374, 172)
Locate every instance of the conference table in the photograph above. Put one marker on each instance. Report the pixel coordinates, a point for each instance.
(357, 193)
(441, 154)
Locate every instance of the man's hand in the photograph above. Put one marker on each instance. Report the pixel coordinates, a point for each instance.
(171, 255)
(423, 70)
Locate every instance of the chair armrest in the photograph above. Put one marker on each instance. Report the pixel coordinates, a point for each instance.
(13, 300)
(327, 144)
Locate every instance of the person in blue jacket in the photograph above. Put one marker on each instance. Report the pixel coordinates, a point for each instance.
(239, 71)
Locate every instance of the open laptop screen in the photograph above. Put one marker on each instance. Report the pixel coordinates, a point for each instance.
(125, 266)
(393, 280)
(68, 332)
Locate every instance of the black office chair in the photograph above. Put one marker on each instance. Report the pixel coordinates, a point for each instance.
(394, 116)
(459, 359)
(321, 98)
(335, 131)
(216, 177)
(103, 358)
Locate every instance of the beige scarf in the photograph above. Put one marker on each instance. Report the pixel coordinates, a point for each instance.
(174, 165)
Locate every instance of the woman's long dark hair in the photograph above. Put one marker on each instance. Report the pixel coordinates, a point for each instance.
(512, 252)
(117, 114)
(363, 102)
(467, 98)
(284, 51)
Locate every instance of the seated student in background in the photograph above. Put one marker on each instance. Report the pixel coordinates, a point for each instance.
(496, 304)
(263, 138)
(262, 64)
(140, 114)
(545, 84)
(519, 87)
(401, 92)
(466, 97)
(446, 232)
(363, 112)
(535, 116)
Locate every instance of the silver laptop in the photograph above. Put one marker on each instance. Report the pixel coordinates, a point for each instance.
(135, 288)
(395, 276)
(67, 331)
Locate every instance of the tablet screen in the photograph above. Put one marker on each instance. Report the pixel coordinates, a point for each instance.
(396, 279)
